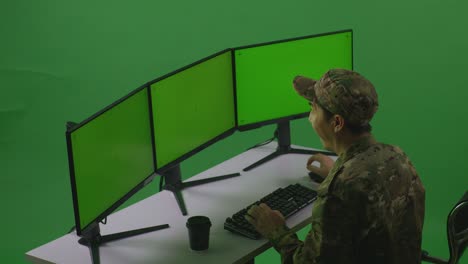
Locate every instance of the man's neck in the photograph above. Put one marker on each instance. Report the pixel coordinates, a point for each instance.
(345, 140)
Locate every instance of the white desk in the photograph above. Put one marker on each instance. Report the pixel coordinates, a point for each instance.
(217, 200)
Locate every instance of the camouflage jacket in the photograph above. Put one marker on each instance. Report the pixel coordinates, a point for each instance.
(370, 209)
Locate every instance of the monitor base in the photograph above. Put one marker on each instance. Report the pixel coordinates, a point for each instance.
(93, 238)
(284, 146)
(175, 184)
(279, 151)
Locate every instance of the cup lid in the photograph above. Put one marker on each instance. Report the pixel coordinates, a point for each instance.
(198, 220)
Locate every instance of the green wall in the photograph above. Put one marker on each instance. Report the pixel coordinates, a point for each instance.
(65, 60)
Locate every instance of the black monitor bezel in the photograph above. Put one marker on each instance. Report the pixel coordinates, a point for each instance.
(83, 230)
(255, 125)
(230, 131)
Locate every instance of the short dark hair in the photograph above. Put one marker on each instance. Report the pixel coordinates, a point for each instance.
(354, 129)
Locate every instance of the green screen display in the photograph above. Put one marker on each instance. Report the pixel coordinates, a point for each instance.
(112, 154)
(264, 74)
(192, 107)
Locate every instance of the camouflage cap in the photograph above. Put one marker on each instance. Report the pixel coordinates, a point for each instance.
(342, 92)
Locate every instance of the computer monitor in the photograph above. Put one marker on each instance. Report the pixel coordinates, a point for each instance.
(193, 108)
(111, 157)
(264, 74)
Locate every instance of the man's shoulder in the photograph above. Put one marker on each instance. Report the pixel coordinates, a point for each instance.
(378, 158)
(381, 150)
(375, 155)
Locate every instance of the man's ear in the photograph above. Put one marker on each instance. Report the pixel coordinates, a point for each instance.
(338, 123)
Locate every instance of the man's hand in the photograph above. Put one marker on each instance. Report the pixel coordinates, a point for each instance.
(326, 163)
(265, 220)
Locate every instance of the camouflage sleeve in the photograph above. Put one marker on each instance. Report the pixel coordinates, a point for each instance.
(339, 223)
(286, 243)
(330, 239)
(292, 250)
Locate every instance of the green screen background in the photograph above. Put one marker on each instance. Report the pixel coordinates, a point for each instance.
(265, 73)
(112, 154)
(64, 60)
(192, 107)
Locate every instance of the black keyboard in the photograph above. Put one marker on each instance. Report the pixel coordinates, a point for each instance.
(288, 201)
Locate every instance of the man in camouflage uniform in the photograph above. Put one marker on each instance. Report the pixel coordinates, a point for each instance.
(370, 206)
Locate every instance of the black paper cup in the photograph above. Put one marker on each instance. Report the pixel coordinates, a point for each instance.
(199, 232)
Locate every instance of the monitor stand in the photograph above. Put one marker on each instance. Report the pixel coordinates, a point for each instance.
(284, 146)
(93, 238)
(174, 184)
